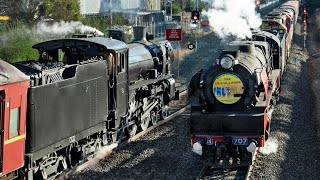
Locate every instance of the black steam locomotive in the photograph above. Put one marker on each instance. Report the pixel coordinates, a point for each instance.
(85, 93)
(232, 101)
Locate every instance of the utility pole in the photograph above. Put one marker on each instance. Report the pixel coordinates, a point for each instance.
(197, 5)
(171, 11)
(183, 9)
(110, 5)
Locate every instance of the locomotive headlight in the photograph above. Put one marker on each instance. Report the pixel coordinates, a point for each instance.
(226, 62)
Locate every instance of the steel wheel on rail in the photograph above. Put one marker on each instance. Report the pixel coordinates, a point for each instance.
(144, 124)
(132, 130)
(153, 117)
(164, 112)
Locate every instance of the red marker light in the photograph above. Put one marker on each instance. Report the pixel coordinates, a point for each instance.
(195, 17)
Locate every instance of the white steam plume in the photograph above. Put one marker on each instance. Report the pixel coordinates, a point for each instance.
(64, 28)
(233, 17)
(271, 146)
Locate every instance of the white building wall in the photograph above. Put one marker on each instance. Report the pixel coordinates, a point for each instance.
(101, 6)
(90, 6)
(131, 4)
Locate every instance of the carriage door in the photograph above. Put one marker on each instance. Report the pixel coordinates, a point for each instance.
(1, 126)
(122, 83)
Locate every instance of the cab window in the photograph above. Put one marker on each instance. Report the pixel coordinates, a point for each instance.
(121, 62)
(118, 62)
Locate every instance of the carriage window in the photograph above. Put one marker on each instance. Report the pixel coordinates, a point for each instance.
(14, 122)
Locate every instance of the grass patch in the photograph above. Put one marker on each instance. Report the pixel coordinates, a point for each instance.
(16, 41)
(17, 38)
(18, 48)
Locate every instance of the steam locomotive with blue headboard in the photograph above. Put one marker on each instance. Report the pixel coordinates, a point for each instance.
(232, 101)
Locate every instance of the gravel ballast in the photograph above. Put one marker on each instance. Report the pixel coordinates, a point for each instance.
(293, 127)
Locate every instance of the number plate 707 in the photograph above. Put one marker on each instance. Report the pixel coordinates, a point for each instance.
(239, 141)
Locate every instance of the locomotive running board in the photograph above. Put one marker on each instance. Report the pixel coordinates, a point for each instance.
(272, 80)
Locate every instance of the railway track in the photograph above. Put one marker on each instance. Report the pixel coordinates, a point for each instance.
(209, 173)
(112, 148)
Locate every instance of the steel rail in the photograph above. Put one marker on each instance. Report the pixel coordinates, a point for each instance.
(219, 173)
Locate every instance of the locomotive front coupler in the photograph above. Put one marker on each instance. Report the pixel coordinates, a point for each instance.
(227, 156)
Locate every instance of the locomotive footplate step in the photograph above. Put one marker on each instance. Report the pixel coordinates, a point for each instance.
(229, 163)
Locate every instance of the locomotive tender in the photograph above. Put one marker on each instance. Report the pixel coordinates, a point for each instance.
(81, 94)
(232, 101)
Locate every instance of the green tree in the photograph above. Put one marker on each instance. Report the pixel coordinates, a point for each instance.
(176, 8)
(190, 5)
(203, 6)
(60, 10)
(20, 10)
(103, 24)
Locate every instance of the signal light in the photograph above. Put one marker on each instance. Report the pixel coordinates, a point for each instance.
(304, 10)
(195, 15)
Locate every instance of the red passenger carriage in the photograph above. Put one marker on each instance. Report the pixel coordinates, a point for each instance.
(13, 99)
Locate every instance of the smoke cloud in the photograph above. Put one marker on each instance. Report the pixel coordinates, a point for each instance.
(233, 18)
(271, 146)
(64, 28)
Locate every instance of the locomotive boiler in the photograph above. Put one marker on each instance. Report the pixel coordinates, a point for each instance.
(81, 94)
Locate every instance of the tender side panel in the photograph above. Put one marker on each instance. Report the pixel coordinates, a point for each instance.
(59, 110)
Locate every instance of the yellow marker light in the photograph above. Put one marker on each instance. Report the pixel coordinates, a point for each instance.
(4, 18)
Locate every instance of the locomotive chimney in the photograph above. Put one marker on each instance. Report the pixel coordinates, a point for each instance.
(139, 33)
